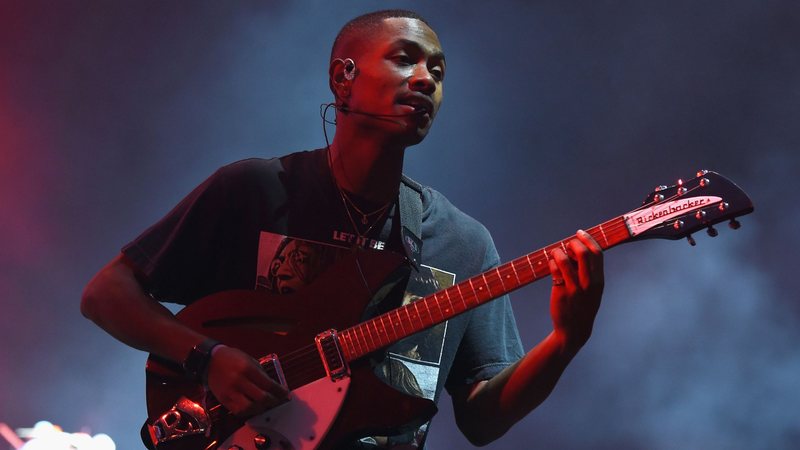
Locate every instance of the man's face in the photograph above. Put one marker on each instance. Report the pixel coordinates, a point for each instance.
(400, 71)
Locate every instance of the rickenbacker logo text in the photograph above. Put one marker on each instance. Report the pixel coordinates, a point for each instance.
(640, 221)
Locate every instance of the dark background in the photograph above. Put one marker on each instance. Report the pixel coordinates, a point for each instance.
(557, 115)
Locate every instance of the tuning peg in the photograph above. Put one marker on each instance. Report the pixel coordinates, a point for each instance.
(712, 231)
(660, 188)
(681, 188)
(734, 224)
(702, 172)
(691, 240)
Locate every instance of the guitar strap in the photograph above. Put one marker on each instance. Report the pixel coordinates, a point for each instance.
(411, 219)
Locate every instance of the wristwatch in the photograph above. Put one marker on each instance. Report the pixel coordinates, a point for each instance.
(196, 363)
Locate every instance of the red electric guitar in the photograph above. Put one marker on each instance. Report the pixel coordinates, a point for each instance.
(312, 341)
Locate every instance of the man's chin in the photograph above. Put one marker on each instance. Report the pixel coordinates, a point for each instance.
(415, 135)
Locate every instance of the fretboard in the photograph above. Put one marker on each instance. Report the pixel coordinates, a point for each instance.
(390, 327)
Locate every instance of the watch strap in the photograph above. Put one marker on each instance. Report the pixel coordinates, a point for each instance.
(196, 363)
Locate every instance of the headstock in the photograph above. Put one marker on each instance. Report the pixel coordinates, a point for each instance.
(674, 212)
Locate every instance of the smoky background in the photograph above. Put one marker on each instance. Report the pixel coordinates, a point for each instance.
(557, 115)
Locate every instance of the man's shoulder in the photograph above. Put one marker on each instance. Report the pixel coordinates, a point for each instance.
(441, 212)
(257, 168)
(250, 166)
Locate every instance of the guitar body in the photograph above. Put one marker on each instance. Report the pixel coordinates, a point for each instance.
(331, 411)
(322, 413)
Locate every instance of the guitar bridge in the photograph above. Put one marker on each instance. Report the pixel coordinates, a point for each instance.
(331, 354)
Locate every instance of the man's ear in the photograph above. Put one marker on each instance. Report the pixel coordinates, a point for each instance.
(339, 84)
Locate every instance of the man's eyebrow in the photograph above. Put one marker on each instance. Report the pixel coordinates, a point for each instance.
(409, 43)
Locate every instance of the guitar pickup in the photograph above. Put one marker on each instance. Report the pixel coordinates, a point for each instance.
(331, 354)
(272, 366)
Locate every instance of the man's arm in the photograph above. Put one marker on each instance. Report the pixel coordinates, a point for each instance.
(115, 300)
(486, 410)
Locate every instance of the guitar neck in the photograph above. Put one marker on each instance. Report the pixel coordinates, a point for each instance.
(390, 327)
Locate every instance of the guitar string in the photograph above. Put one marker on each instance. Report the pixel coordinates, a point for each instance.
(304, 365)
(308, 355)
(495, 280)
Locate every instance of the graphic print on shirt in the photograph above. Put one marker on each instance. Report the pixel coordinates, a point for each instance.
(412, 365)
(285, 264)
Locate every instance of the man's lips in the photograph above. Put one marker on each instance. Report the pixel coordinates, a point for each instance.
(413, 110)
(419, 104)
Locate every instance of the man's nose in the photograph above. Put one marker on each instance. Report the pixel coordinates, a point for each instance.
(422, 80)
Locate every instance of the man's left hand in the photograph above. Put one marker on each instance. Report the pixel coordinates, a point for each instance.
(577, 289)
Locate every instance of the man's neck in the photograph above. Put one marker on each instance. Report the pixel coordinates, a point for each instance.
(369, 168)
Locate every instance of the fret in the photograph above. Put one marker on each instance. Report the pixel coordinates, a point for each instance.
(361, 342)
(409, 318)
(564, 247)
(450, 300)
(395, 330)
(416, 309)
(399, 323)
(531, 265)
(438, 299)
(516, 275)
(369, 340)
(380, 331)
(354, 341)
(385, 328)
(374, 338)
(603, 233)
(344, 342)
(377, 332)
(486, 283)
(472, 287)
(428, 303)
(500, 277)
(351, 349)
(461, 296)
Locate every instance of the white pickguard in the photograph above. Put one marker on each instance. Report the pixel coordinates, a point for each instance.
(300, 423)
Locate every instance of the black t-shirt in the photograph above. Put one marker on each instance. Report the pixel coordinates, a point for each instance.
(276, 224)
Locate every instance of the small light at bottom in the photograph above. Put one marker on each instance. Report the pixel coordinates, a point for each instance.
(46, 436)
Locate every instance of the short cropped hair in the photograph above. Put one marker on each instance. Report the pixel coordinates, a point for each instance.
(366, 23)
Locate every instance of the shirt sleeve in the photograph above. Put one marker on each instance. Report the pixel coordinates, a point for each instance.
(491, 340)
(175, 255)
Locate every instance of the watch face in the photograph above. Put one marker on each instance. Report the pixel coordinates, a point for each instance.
(195, 364)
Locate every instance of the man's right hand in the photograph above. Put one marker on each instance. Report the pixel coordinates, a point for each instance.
(240, 384)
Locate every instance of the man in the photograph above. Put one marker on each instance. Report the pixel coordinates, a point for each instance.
(258, 223)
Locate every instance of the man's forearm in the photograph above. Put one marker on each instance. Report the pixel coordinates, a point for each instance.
(115, 301)
(495, 405)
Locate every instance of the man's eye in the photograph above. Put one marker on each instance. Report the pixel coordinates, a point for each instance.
(437, 73)
(402, 59)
